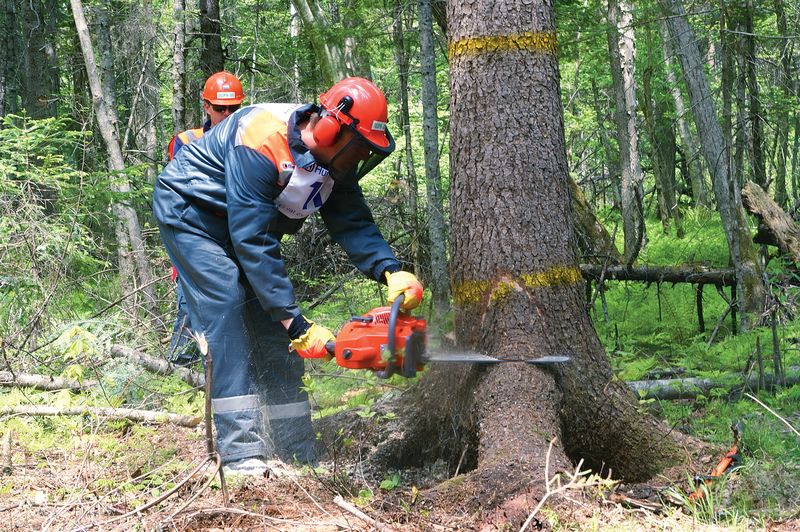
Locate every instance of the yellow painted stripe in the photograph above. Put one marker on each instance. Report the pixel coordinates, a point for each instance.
(472, 292)
(532, 41)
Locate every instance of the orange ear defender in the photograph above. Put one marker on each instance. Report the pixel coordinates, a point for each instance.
(328, 127)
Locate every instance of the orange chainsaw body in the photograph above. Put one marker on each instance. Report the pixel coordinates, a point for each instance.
(363, 342)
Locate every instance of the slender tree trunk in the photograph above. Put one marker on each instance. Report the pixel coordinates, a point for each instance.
(662, 141)
(134, 269)
(39, 75)
(692, 154)
(11, 66)
(105, 50)
(404, 122)
(622, 51)
(726, 189)
(179, 67)
(612, 162)
(783, 110)
(433, 181)
(212, 58)
(756, 128)
(294, 34)
(329, 54)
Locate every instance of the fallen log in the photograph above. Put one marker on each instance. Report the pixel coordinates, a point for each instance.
(43, 382)
(157, 365)
(141, 416)
(660, 274)
(775, 226)
(689, 388)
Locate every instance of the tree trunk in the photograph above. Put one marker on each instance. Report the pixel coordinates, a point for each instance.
(622, 52)
(179, 67)
(784, 108)
(134, 269)
(329, 54)
(691, 153)
(612, 162)
(662, 142)
(756, 129)
(517, 287)
(750, 291)
(294, 34)
(404, 122)
(11, 66)
(211, 57)
(39, 73)
(105, 50)
(433, 181)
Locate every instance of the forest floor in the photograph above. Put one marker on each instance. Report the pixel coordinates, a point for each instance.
(101, 475)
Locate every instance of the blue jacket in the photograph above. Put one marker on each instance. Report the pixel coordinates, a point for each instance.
(253, 171)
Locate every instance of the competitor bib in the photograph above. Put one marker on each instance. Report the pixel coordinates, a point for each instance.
(306, 191)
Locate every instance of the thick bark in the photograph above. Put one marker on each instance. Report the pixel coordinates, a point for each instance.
(211, 57)
(776, 227)
(433, 181)
(39, 73)
(622, 52)
(517, 286)
(179, 67)
(691, 153)
(750, 291)
(133, 265)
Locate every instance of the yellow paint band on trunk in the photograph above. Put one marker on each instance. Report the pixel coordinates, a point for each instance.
(532, 41)
(472, 292)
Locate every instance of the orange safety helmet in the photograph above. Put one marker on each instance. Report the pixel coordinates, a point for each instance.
(358, 103)
(223, 88)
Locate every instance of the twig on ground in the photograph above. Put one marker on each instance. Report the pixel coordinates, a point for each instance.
(142, 416)
(344, 505)
(771, 411)
(212, 452)
(43, 382)
(575, 480)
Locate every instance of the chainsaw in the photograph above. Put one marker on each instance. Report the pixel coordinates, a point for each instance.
(387, 341)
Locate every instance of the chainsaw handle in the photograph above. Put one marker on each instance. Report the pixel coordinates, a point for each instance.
(391, 366)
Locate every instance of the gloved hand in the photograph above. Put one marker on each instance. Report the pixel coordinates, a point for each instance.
(309, 339)
(404, 283)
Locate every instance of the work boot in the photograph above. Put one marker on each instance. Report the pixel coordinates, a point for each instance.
(250, 467)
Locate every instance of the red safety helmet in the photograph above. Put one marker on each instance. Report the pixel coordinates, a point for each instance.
(358, 103)
(223, 88)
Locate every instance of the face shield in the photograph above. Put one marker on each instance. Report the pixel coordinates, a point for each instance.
(358, 157)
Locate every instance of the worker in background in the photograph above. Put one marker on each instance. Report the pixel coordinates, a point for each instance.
(222, 95)
(265, 169)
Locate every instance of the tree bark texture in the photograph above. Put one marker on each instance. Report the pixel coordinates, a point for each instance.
(690, 151)
(622, 52)
(179, 67)
(133, 265)
(39, 73)
(516, 283)
(754, 100)
(11, 60)
(786, 81)
(212, 58)
(433, 180)
(750, 290)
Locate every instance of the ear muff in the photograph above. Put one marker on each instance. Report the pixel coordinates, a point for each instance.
(328, 127)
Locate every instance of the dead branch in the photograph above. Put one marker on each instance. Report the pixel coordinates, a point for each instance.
(775, 226)
(689, 388)
(660, 274)
(141, 416)
(158, 365)
(42, 382)
(344, 505)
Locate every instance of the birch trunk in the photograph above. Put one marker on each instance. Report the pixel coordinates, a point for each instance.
(751, 291)
(691, 153)
(134, 269)
(622, 51)
(433, 181)
(329, 54)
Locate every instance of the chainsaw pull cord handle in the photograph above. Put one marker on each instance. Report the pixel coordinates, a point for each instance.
(391, 366)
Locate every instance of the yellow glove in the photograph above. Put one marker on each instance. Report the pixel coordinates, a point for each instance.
(311, 343)
(404, 283)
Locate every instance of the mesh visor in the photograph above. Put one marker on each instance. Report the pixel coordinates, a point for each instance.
(346, 167)
(376, 154)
